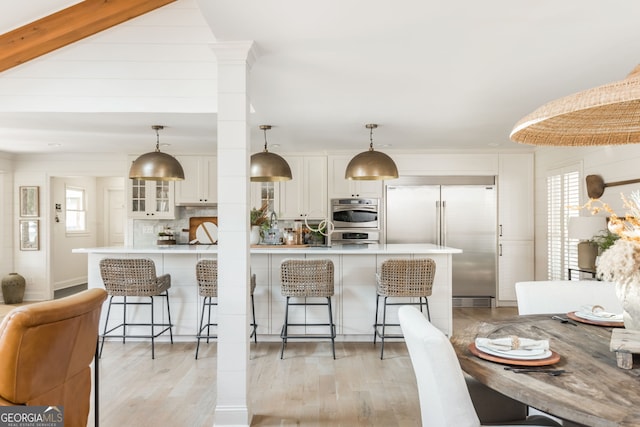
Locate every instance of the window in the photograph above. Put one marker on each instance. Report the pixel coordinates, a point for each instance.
(76, 215)
(563, 191)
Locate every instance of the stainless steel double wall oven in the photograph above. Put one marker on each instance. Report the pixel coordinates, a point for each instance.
(355, 221)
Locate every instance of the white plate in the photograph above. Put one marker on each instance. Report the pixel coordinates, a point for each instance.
(207, 233)
(595, 318)
(518, 354)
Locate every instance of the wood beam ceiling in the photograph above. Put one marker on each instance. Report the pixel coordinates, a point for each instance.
(68, 26)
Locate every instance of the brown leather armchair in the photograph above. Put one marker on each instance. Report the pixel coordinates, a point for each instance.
(46, 350)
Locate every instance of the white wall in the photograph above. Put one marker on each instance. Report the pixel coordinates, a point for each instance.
(613, 163)
(37, 170)
(7, 230)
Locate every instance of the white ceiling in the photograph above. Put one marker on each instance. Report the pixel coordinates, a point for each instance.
(439, 75)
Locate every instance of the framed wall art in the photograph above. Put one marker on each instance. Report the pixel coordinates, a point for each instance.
(29, 202)
(29, 235)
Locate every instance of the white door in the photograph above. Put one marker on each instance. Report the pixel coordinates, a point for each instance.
(114, 217)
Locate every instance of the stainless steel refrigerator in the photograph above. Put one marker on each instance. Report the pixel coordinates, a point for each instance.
(454, 211)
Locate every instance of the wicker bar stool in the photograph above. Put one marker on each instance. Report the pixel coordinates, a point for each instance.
(406, 278)
(134, 277)
(207, 277)
(307, 278)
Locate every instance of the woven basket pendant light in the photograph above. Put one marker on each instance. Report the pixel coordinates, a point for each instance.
(371, 165)
(156, 166)
(269, 167)
(604, 115)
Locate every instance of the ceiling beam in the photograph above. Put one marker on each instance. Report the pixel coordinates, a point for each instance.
(68, 26)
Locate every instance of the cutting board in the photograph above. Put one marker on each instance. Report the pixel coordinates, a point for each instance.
(203, 228)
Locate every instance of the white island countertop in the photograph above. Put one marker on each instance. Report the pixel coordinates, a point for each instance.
(361, 249)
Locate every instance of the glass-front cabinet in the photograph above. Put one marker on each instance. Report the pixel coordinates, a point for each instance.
(151, 199)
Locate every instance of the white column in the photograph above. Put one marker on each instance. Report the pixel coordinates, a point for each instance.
(234, 61)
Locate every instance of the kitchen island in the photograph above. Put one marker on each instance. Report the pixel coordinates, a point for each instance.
(355, 283)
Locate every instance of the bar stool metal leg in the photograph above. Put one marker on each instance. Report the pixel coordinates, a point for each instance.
(166, 295)
(384, 325)
(153, 337)
(106, 323)
(284, 332)
(254, 325)
(375, 323)
(207, 303)
(332, 329)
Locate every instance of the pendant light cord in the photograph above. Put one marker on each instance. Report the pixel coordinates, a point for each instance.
(265, 139)
(157, 129)
(371, 138)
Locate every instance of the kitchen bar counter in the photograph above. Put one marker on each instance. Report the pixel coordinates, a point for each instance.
(355, 283)
(399, 249)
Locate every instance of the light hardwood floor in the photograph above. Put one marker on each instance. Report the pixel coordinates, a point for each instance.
(307, 388)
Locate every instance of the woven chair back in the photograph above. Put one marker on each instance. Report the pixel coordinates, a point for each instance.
(207, 276)
(306, 278)
(406, 277)
(129, 276)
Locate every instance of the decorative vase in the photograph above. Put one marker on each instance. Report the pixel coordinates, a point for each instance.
(255, 235)
(629, 296)
(13, 286)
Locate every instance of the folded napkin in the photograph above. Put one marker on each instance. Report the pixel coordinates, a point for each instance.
(512, 343)
(598, 312)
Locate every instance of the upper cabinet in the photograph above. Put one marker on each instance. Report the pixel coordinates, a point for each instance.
(151, 199)
(341, 187)
(200, 181)
(306, 193)
(515, 196)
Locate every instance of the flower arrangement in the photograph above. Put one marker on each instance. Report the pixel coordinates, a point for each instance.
(621, 262)
(627, 227)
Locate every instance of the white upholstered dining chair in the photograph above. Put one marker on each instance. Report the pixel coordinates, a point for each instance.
(443, 393)
(563, 296)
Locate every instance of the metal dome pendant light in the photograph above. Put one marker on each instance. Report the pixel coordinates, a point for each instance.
(269, 167)
(156, 166)
(371, 165)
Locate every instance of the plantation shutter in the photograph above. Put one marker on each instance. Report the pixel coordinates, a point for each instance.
(563, 193)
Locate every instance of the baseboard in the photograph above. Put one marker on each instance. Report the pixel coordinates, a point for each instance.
(65, 292)
(473, 302)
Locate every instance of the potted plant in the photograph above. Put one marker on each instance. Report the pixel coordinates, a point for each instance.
(604, 240)
(259, 222)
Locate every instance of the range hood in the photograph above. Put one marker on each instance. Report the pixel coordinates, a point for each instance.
(197, 204)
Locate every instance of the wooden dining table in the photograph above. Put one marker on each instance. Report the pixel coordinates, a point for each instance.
(592, 391)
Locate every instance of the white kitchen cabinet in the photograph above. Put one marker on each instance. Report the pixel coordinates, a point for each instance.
(265, 192)
(339, 186)
(263, 294)
(151, 199)
(359, 289)
(515, 224)
(306, 193)
(515, 196)
(200, 181)
(515, 264)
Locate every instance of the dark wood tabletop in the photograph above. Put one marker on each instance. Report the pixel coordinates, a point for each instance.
(593, 391)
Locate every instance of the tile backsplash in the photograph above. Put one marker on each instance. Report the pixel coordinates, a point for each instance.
(145, 231)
